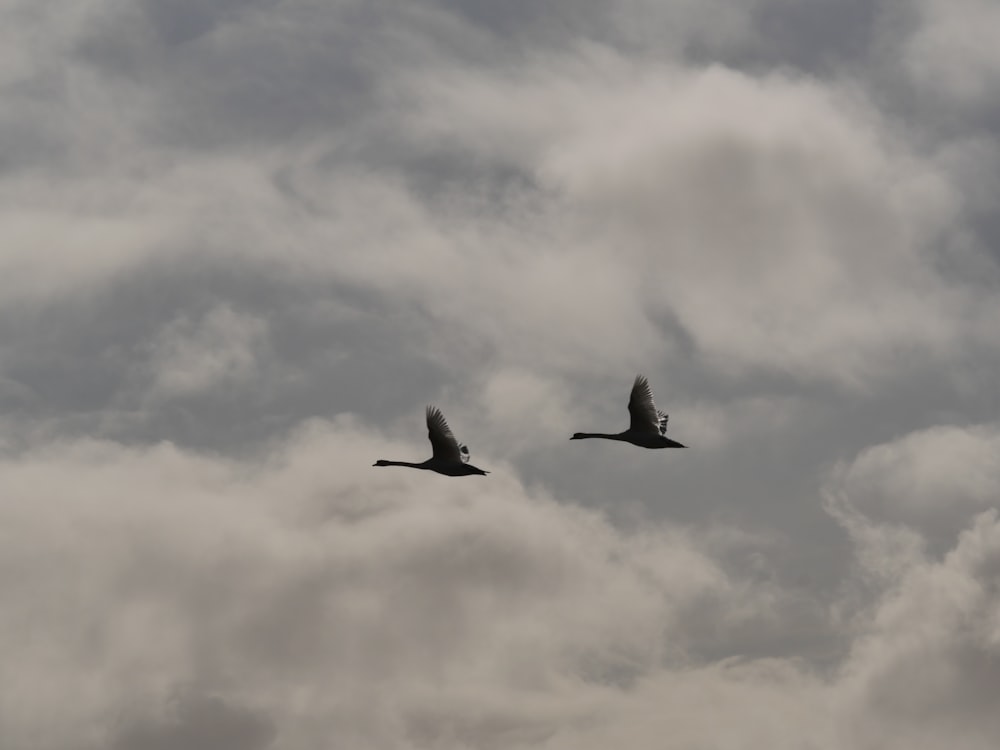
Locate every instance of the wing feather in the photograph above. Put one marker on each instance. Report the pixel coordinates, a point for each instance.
(645, 417)
(443, 442)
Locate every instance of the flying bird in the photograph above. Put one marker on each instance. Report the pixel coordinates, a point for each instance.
(450, 458)
(649, 426)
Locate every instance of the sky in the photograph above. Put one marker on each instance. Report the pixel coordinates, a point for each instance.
(246, 242)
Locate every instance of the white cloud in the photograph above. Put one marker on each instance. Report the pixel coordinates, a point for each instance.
(920, 678)
(51, 251)
(377, 604)
(294, 598)
(757, 704)
(933, 480)
(188, 357)
(793, 240)
(799, 240)
(952, 55)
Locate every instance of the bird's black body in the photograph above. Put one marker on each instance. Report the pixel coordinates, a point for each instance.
(648, 428)
(447, 468)
(643, 441)
(450, 458)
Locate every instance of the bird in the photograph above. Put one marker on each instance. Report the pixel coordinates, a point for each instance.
(450, 458)
(649, 426)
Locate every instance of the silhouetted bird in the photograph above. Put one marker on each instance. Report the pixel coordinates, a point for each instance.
(649, 426)
(450, 458)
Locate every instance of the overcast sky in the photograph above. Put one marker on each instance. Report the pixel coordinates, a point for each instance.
(246, 242)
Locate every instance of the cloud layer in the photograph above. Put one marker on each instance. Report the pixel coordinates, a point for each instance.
(245, 245)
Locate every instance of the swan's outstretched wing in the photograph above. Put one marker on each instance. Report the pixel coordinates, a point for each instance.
(645, 417)
(446, 447)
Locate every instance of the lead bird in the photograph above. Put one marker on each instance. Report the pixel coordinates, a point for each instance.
(450, 458)
(649, 426)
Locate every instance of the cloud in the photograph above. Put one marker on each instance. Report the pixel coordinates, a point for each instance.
(920, 676)
(737, 240)
(197, 721)
(189, 357)
(749, 232)
(933, 480)
(388, 612)
(245, 245)
(172, 598)
(947, 57)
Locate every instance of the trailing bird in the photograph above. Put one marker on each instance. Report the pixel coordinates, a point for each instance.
(450, 458)
(649, 426)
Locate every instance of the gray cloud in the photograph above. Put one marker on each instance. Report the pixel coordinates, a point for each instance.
(933, 480)
(418, 612)
(919, 678)
(198, 722)
(245, 245)
(386, 608)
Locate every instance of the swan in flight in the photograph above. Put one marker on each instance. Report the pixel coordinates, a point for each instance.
(649, 426)
(450, 458)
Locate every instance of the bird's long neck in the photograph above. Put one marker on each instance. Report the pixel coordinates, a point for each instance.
(383, 462)
(606, 436)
